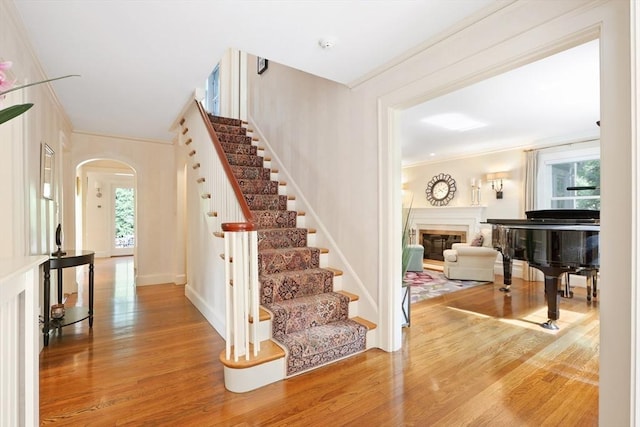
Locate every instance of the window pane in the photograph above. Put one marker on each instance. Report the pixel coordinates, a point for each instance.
(588, 204)
(562, 204)
(588, 174)
(562, 177)
(584, 173)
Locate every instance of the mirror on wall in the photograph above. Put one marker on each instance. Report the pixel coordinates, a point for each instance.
(46, 172)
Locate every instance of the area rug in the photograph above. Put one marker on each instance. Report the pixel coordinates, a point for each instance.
(430, 284)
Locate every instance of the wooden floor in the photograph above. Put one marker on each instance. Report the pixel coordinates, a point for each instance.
(472, 358)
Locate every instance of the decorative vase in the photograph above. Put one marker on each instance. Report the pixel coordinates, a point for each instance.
(57, 311)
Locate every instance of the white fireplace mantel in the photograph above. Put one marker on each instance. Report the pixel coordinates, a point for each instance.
(465, 218)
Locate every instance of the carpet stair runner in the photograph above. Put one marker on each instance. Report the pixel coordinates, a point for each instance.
(309, 320)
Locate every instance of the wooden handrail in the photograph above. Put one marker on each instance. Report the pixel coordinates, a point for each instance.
(238, 226)
(225, 164)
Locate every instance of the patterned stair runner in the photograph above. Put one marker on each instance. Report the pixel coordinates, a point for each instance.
(309, 320)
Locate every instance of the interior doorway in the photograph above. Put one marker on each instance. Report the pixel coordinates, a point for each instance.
(106, 220)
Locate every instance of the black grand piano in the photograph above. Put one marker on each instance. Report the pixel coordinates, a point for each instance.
(555, 241)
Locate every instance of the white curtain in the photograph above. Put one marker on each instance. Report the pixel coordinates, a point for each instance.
(530, 197)
(530, 180)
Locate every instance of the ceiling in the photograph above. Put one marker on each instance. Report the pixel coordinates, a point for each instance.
(140, 62)
(550, 101)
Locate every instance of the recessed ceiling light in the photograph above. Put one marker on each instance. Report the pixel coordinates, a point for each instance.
(454, 121)
(326, 43)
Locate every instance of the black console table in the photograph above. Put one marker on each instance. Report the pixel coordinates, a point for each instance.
(72, 314)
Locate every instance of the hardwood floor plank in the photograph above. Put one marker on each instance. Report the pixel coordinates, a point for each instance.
(473, 357)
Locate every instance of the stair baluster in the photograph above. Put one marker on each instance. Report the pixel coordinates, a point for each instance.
(242, 288)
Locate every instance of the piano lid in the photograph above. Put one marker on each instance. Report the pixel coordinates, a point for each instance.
(563, 214)
(574, 215)
(547, 217)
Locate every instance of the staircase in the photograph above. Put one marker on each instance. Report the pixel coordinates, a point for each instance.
(310, 318)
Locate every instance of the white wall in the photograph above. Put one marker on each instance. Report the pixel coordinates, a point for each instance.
(463, 170)
(28, 222)
(154, 164)
(31, 221)
(305, 122)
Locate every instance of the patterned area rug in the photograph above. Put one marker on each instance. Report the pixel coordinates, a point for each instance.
(429, 284)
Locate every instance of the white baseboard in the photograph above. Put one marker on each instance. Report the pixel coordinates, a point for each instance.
(207, 311)
(154, 279)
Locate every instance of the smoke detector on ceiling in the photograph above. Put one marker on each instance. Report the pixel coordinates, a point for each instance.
(326, 43)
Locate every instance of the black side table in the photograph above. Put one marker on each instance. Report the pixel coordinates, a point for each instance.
(72, 314)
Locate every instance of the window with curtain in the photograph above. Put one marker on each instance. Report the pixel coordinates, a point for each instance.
(576, 165)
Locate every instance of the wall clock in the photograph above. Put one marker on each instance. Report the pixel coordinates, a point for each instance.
(440, 189)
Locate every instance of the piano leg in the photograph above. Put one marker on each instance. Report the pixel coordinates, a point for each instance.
(592, 284)
(553, 301)
(507, 264)
(567, 292)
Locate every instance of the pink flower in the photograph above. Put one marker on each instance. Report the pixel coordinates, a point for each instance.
(5, 84)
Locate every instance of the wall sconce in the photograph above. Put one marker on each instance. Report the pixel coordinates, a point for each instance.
(476, 186)
(496, 182)
(98, 192)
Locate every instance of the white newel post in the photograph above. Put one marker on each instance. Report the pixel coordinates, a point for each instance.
(242, 289)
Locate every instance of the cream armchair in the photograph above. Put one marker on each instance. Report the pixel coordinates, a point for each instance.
(466, 262)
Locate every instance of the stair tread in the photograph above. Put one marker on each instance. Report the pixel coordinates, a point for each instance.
(364, 322)
(281, 250)
(347, 322)
(335, 271)
(305, 299)
(263, 315)
(280, 229)
(269, 351)
(352, 297)
(298, 272)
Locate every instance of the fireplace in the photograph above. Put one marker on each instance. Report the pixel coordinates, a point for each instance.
(438, 228)
(436, 241)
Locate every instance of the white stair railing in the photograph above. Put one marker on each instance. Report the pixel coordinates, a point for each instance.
(222, 199)
(242, 289)
(225, 208)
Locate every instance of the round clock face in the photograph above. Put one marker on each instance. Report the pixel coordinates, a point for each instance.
(440, 189)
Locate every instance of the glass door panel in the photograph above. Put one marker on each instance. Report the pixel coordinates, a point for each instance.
(123, 221)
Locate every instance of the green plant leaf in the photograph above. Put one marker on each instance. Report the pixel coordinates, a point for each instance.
(37, 83)
(13, 111)
(406, 223)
